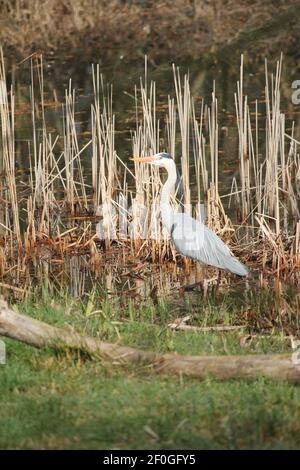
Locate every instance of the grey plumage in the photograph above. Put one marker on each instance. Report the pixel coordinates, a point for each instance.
(195, 240)
(191, 237)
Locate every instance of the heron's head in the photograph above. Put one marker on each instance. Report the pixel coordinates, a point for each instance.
(162, 159)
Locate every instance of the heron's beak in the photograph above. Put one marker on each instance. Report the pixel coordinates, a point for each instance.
(143, 159)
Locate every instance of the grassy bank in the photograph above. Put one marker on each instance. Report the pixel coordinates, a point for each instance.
(66, 401)
(163, 29)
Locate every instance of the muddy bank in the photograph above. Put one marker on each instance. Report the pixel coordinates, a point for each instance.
(166, 28)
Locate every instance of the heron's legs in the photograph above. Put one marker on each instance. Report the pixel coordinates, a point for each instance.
(200, 284)
(219, 279)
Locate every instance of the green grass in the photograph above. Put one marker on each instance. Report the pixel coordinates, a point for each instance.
(54, 401)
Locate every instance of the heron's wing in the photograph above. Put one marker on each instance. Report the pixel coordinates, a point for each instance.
(195, 240)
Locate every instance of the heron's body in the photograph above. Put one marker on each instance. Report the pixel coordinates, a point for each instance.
(204, 245)
(191, 237)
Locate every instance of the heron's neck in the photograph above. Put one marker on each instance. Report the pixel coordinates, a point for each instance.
(165, 206)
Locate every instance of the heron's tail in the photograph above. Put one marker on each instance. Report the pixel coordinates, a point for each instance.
(236, 267)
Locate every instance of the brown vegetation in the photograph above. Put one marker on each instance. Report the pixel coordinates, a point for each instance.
(162, 28)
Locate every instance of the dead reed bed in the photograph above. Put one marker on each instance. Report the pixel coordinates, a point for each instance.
(164, 28)
(63, 209)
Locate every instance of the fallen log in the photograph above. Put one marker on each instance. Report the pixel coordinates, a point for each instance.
(42, 335)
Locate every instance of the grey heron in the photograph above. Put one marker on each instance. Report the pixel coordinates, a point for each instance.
(191, 237)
